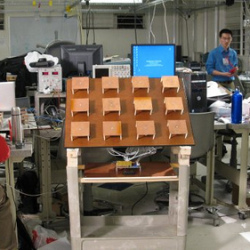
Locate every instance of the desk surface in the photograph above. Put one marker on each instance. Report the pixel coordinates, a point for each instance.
(30, 123)
(23, 152)
(237, 176)
(221, 125)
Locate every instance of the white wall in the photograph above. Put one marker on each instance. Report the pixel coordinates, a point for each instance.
(202, 32)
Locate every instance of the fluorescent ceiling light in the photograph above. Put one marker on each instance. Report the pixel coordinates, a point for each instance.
(114, 1)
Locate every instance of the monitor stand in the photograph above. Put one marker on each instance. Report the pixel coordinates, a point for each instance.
(81, 68)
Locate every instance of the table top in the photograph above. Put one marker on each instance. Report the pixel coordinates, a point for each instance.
(220, 125)
(127, 116)
(30, 123)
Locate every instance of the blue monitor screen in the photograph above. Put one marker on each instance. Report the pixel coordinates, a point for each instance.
(153, 60)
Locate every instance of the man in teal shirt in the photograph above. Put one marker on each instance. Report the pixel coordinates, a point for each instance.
(222, 61)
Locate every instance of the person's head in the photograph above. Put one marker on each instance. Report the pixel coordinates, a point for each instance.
(226, 37)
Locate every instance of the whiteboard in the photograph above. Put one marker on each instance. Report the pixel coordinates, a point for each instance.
(27, 32)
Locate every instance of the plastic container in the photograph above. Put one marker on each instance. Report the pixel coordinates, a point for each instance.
(236, 109)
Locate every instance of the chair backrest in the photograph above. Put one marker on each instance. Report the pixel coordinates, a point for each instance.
(203, 132)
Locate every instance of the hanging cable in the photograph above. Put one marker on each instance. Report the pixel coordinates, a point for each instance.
(80, 26)
(186, 16)
(143, 196)
(186, 19)
(165, 20)
(135, 26)
(150, 26)
(93, 26)
(87, 24)
(79, 17)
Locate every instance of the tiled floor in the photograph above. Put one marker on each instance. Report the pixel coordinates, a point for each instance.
(232, 233)
(140, 198)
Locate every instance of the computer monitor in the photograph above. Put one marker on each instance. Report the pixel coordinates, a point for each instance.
(7, 96)
(77, 60)
(178, 53)
(153, 60)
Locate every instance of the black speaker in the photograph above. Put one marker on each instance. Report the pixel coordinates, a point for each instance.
(229, 2)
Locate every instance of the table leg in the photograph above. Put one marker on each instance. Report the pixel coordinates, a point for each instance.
(209, 193)
(9, 171)
(243, 170)
(73, 196)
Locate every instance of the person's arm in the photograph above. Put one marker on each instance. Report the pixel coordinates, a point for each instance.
(210, 63)
(235, 64)
(219, 73)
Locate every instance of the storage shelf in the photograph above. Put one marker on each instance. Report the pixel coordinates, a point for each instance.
(126, 232)
(150, 172)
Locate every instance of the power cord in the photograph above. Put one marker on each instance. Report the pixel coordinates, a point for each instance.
(144, 195)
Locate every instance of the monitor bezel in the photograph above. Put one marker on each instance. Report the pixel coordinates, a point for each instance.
(97, 67)
(153, 45)
(7, 96)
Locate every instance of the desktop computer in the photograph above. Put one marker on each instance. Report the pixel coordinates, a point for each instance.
(195, 85)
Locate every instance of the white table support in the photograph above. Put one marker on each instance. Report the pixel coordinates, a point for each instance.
(16, 156)
(210, 164)
(238, 177)
(43, 159)
(232, 174)
(119, 232)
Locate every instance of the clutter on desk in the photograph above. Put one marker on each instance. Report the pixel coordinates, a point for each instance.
(34, 61)
(10, 77)
(221, 109)
(214, 89)
(246, 107)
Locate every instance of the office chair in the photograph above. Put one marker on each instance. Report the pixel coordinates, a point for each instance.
(203, 132)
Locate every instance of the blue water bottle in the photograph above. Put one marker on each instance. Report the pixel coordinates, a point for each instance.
(236, 109)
